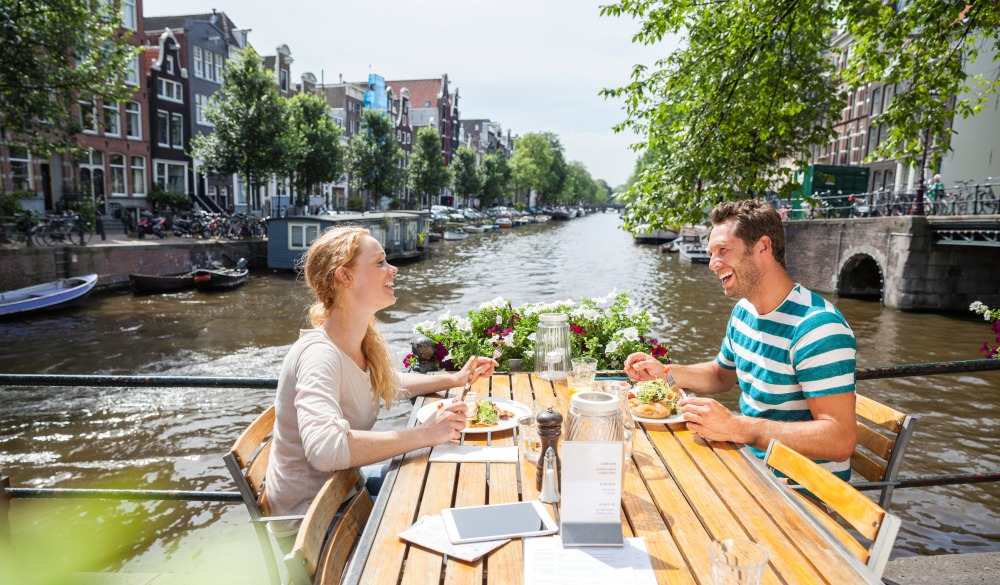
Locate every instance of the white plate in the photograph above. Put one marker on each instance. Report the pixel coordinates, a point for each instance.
(676, 418)
(517, 408)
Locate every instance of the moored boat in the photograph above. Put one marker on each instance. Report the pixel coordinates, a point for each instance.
(502, 222)
(221, 278)
(455, 233)
(474, 229)
(691, 249)
(51, 295)
(146, 284)
(644, 234)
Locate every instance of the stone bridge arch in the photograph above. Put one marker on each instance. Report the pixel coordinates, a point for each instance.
(861, 274)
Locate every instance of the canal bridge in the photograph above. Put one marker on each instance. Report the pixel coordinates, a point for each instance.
(908, 262)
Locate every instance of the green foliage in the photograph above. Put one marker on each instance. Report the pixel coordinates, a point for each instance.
(606, 328)
(10, 203)
(734, 112)
(532, 162)
(252, 135)
(496, 173)
(86, 209)
(164, 199)
(355, 203)
(52, 53)
(319, 157)
(466, 178)
(428, 173)
(373, 156)
(579, 186)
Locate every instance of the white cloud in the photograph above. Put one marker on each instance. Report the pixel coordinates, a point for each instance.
(531, 65)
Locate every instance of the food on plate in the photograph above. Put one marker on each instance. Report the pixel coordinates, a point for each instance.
(487, 414)
(653, 399)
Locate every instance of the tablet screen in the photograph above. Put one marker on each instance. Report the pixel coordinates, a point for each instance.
(498, 521)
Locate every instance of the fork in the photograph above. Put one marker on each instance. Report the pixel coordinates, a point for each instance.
(468, 381)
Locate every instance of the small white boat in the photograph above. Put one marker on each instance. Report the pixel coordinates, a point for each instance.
(455, 234)
(51, 295)
(643, 234)
(542, 218)
(691, 249)
(521, 221)
(502, 222)
(474, 229)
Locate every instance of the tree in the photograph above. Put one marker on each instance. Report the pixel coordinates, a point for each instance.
(604, 192)
(251, 136)
(53, 53)
(532, 163)
(466, 178)
(578, 186)
(321, 158)
(496, 179)
(558, 171)
(373, 156)
(737, 109)
(428, 173)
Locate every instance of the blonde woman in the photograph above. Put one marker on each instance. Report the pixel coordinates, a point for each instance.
(338, 373)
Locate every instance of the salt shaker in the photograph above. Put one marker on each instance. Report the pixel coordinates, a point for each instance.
(550, 484)
(549, 430)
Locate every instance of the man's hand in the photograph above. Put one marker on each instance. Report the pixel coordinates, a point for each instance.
(641, 366)
(710, 419)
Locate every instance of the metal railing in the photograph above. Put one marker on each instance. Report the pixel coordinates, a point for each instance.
(963, 198)
(46, 380)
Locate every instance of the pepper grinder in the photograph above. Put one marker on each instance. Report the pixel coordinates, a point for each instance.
(549, 430)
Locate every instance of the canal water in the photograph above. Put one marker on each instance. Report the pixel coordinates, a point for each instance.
(156, 438)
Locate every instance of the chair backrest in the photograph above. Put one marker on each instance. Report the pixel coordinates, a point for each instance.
(329, 530)
(883, 435)
(872, 522)
(247, 463)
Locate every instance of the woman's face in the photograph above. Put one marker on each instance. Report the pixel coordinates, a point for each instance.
(372, 276)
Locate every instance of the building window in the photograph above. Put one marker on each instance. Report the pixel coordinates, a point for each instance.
(218, 68)
(116, 163)
(139, 175)
(20, 169)
(170, 64)
(88, 117)
(890, 180)
(92, 174)
(209, 66)
(162, 128)
(169, 90)
(132, 72)
(875, 182)
(300, 235)
(171, 176)
(200, 103)
(128, 14)
(112, 120)
(876, 102)
(284, 80)
(176, 130)
(199, 63)
(133, 120)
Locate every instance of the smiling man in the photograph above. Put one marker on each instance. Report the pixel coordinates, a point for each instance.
(789, 349)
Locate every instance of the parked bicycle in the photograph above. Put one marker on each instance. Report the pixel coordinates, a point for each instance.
(63, 230)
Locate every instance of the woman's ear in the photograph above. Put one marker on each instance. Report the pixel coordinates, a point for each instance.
(343, 276)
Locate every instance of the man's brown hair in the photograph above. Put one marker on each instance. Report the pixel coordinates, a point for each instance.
(753, 218)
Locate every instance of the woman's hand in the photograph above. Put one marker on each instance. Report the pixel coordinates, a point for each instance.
(641, 366)
(479, 366)
(445, 424)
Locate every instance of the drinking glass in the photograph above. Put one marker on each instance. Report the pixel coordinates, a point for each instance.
(584, 365)
(737, 562)
(621, 389)
(527, 438)
(544, 401)
(579, 382)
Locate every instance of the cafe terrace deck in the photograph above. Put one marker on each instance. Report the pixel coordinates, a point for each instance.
(679, 493)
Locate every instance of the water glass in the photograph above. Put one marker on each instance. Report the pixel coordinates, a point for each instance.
(580, 382)
(584, 365)
(621, 389)
(528, 441)
(737, 562)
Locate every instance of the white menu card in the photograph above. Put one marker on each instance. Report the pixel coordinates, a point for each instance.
(591, 493)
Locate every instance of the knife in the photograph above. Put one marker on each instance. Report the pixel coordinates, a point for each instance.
(468, 382)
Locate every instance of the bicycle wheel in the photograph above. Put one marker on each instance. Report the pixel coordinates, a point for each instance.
(963, 206)
(988, 204)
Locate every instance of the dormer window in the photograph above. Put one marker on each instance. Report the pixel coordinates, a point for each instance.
(170, 65)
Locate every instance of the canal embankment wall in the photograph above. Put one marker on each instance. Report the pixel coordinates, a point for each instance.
(114, 260)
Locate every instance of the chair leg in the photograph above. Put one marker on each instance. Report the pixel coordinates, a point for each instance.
(269, 559)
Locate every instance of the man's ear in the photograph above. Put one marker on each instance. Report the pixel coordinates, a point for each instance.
(763, 245)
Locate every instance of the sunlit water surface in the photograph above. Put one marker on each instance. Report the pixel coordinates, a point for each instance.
(174, 438)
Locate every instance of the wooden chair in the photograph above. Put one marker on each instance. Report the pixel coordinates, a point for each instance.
(329, 531)
(247, 463)
(883, 435)
(872, 522)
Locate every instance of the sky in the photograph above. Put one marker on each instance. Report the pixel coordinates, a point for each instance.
(531, 65)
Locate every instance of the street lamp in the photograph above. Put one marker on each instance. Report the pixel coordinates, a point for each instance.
(918, 203)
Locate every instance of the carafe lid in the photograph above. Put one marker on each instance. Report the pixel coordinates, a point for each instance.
(595, 402)
(553, 317)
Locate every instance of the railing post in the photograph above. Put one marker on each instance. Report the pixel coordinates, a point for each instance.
(5, 542)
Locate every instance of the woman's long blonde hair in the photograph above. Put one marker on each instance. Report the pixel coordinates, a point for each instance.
(336, 247)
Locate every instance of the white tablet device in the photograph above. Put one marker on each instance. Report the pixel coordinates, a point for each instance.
(496, 521)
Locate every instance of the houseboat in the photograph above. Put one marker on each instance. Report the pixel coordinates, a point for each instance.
(403, 234)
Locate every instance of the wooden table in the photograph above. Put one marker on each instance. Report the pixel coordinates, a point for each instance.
(679, 493)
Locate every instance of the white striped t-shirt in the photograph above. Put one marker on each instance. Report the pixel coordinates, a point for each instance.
(803, 349)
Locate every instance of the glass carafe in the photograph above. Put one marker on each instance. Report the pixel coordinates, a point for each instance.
(552, 349)
(595, 416)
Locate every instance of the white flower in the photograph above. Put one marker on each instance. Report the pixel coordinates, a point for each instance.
(463, 324)
(509, 342)
(494, 340)
(986, 315)
(531, 338)
(497, 303)
(499, 319)
(976, 306)
(591, 314)
(447, 357)
(629, 333)
(612, 347)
